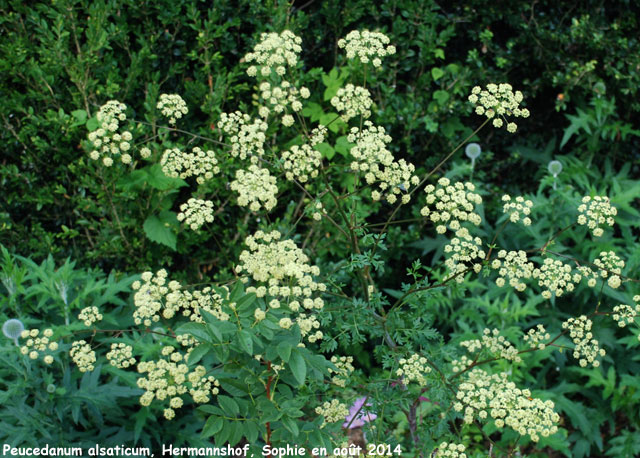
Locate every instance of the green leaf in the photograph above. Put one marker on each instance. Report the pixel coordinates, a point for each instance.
(326, 150)
(229, 406)
(198, 352)
(246, 341)
(158, 180)
(284, 350)
(212, 426)
(298, 366)
(197, 330)
(160, 229)
(92, 124)
(343, 146)
(437, 73)
(291, 426)
(441, 97)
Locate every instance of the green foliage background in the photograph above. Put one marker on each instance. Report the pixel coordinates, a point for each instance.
(577, 64)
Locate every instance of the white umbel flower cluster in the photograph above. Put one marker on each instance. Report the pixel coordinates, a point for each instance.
(345, 369)
(301, 163)
(280, 97)
(333, 411)
(513, 266)
(172, 106)
(376, 162)
(464, 249)
(180, 164)
(149, 296)
(536, 337)
(450, 450)
(610, 265)
(274, 53)
(351, 101)
(170, 378)
(191, 303)
(451, 204)
(494, 344)
(586, 348)
(121, 355)
(196, 212)
(483, 395)
(367, 46)
(256, 188)
(106, 140)
(413, 369)
(90, 315)
(497, 102)
(83, 356)
(517, 207)
(555, 277)
(596, 212)
(286, 277)
(246, 137)
(318, 135)
(37, 343)
(625, 314)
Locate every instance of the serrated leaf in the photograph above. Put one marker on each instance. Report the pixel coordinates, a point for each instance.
(326, 150)
(246, 342)
(229, 406)
(298, 367)
(160, 229)
(197, 353)
(291, 426)
(212, 426)
(158, 180)
(284, 351)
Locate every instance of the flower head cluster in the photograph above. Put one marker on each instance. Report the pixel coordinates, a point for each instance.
(413, 369)
(37, 344)
(121, 355)
(106, 140)
(495, 344)
(170, 378)
(90, 315)
(318, 135)
(273, 53)
(514, 209)
(172, 106)
(485, 395)
(352, 101)
(376, 162)
(625, 314)
(451, 450)
(246, 137)
(537, 336)
(301, 163)
(279, 98)
(596, 212)
(610, 266)
(365, 45)
(333, 411)
(148, 297)
(317, 210)
(191, 303)
(555, 277)
(287, 278)
(196, 212)
(256, 188)
(513, 266)
(449, 205)
(345, 368)
(200, 164)
(463, 249)
(83, 356)
(586, 348)
(497, 102)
